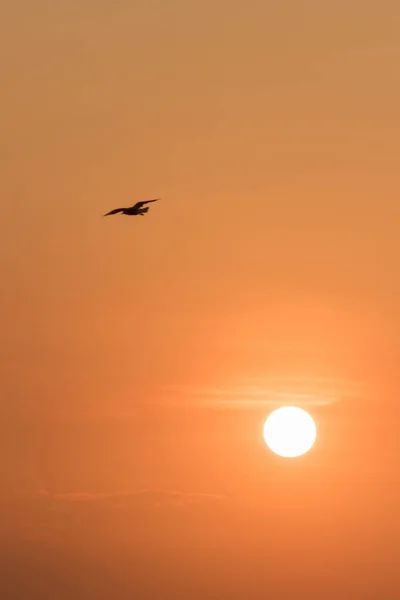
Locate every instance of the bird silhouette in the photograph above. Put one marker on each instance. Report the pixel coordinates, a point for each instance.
(136, 209)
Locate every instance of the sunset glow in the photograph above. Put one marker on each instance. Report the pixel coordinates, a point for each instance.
(200, 300)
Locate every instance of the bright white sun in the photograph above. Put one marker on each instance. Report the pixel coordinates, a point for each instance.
(289, 431)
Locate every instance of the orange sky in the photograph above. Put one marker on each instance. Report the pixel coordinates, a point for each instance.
(140, 357)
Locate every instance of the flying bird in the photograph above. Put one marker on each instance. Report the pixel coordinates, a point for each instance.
(136, 209)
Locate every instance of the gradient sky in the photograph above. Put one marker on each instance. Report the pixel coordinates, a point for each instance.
(140, 357)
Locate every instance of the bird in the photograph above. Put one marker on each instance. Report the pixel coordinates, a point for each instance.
(136, 209)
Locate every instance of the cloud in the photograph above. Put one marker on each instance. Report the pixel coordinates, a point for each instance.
(269, 392)
(141, 497)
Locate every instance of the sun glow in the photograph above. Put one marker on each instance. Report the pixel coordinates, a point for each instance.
(289, 431)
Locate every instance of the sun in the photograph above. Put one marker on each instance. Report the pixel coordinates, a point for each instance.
(289, 431)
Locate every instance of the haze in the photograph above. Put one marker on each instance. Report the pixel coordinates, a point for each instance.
(141, 356)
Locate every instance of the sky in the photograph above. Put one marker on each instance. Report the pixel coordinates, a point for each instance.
(140, 357)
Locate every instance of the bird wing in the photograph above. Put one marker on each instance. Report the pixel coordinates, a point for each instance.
(140, 204)
(114, 212)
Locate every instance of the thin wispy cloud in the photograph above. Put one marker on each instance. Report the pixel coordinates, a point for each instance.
(270, 392)
(144, 497)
